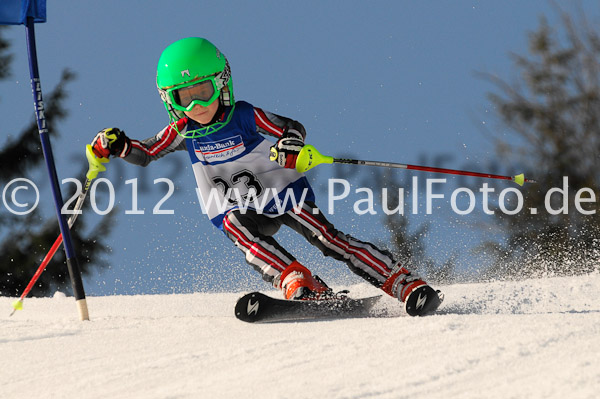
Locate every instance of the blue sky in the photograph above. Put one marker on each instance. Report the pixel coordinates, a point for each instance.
(381, 80)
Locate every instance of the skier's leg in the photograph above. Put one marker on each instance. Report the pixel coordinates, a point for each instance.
(363, 258)
(373, 264)
(252, 233)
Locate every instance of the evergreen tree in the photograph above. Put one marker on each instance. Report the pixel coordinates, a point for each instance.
(26, 239)
(553, 113)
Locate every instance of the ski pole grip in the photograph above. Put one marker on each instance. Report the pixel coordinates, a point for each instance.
(95, 164)
(273, 154)
(309, 157)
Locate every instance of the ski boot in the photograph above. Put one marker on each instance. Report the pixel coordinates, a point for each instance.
(419, 298)
(298, 283)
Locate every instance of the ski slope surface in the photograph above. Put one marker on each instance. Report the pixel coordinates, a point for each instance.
(529, 339)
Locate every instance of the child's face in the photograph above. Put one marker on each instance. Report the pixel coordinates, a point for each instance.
(202, 114)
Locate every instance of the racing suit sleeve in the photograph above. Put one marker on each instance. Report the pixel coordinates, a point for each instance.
(155, 147)
(275, 125)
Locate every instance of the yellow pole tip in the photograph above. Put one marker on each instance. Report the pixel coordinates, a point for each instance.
(519, 179)
(18, 305)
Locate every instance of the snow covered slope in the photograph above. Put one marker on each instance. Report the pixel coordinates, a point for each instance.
(531, 339)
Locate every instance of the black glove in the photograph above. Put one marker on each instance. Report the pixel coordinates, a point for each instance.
(111, 141)
(287, 148)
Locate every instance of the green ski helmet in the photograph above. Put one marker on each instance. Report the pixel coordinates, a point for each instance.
(196, 62)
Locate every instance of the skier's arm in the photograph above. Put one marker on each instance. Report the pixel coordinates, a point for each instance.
(113, 141)
(275, 125)
(290, 135)
(148, 150)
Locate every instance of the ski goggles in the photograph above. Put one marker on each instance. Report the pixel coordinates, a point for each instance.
(185, 97)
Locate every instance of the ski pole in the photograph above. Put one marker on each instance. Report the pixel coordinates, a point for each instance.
(309, 157)
(95, 166)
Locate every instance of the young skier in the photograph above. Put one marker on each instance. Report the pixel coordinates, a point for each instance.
(229, 155)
